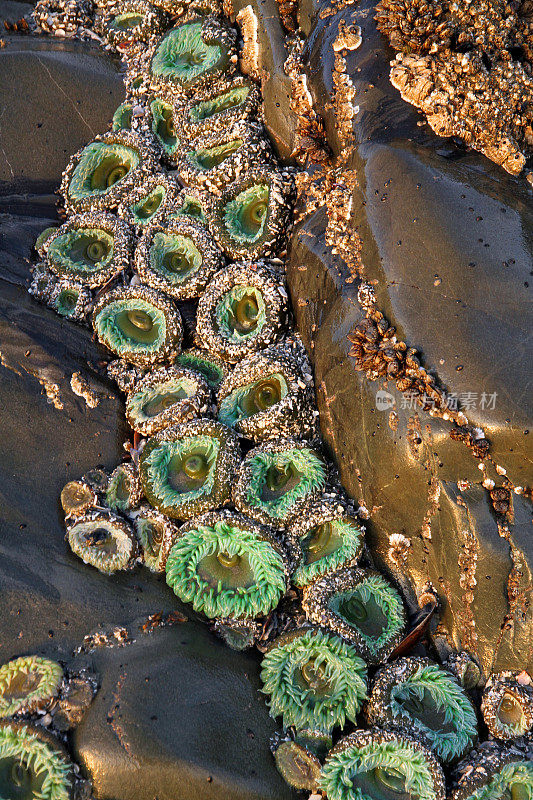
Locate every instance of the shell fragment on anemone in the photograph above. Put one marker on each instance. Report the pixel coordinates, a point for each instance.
(102, 539)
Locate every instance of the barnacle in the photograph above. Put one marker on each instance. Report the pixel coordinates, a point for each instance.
(361, 606)
(188, 469)
(416, 695)
(77, 497)
(276, 479)
(122, 118)
(494, 772)
(300, 768)
(212, 368)
(266, 396)
(226, 565)
(324, 537)
(381, 765)
(166, 396)
(178, 257)
(89, 247)
(71, 299)
(243, 309)
(103, 172)
(250, 218)
(27, 684)
(138, 324)
(219, 106)
(130, 21)
(239, 634)
(149, 203)
(191, 53)
(213, 160)
(156, 534)
(507, 706)
(32, 764)
(103, 540)
(313, 679)
(124, 489)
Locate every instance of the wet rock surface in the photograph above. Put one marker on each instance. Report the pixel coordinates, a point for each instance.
(177, 700)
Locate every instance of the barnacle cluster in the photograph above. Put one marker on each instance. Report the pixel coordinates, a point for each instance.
(176, 227)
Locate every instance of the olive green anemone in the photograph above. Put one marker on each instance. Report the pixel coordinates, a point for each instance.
(161, 121)
(210, 367)
(227, 566)
(267, 396)
(250, 218)
(130, 21)
(362, 607)
(220, 106)
(239, 634)
(276, 479)
(33, 764)
(156, 534)
(77, 497)
(191, 53)
(189, 468)
(324, 537)
(122, 118)
(91, 248)
(149, 203)
(243, 309)
(418, 696)
(71, 299)
(381, 765)
(28, 684)
(494, 772)
(103, 540)
(298, 767)
(167, 396)
(103, 172)
(138, 324)
(313, 679)
(216, 159)
(177, 256)
(507, 706)
(124, 489)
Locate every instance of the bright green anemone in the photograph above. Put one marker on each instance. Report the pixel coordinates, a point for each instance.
(81, 252)
(182, 56)
(130, 326)
(145, 405)
(174, 257)
(181, 471)
(146, 207)
(163, 125)
(30, 768)
(208, 158)
(245, 215)
(225, 100)
(100, 167)
(226, 570)
(514, 781)
(327, 547)
(241, 313)
(378, 770)
(27, 683)
(66, 302)
(254, 398)
(122, 117)
(208, 368)
(279, 480)
(314, 680)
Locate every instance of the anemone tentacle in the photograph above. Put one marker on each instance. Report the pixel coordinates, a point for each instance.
(33, 764)
(28, 684)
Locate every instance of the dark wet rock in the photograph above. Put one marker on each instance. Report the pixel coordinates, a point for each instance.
(447, 245)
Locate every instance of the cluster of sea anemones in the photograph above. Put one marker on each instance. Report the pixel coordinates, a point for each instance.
(172, 250)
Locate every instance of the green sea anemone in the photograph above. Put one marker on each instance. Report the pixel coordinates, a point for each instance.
(138, 324)
(239, 634)
(276, 479)
(192, 204)
(103, 540)
(323, 538)
(495, 772)
(156, 534)
(33, 765)
(178, 257)
(298, 767)
(189, 468)
(122, 117)
(124, 489)
(227, 566)
(418, 696)
(243, 309)
(91, 248)
(167, 396)
(362, 607)
(381, 765)
(507, 706)
(28, 684)
(220, 106)
(210, 367)
(71, 299)
(149, 203)
(77, 497)
(130, 21)
(314, 680)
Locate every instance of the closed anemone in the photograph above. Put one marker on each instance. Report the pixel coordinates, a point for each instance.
(323, 538)
(420, 697)
(123, 489)
(71, 299)
(33, 765)
(227, 566)
(130, 21)
(163, 125)
(122, 117)
(210, 367)
(361, 606)
(507, 706)
(191, 205)
(138, 324)
(381, 765)
(313, 679)
(220, 106)
(494, 772)
(77, 497)
(166, 397)
(276, 479)
(188, 469)
(227, 99)
(297, 766)
(156, 534)
(148, 204)
(103, 540)
(28, 684)
(239, 634)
